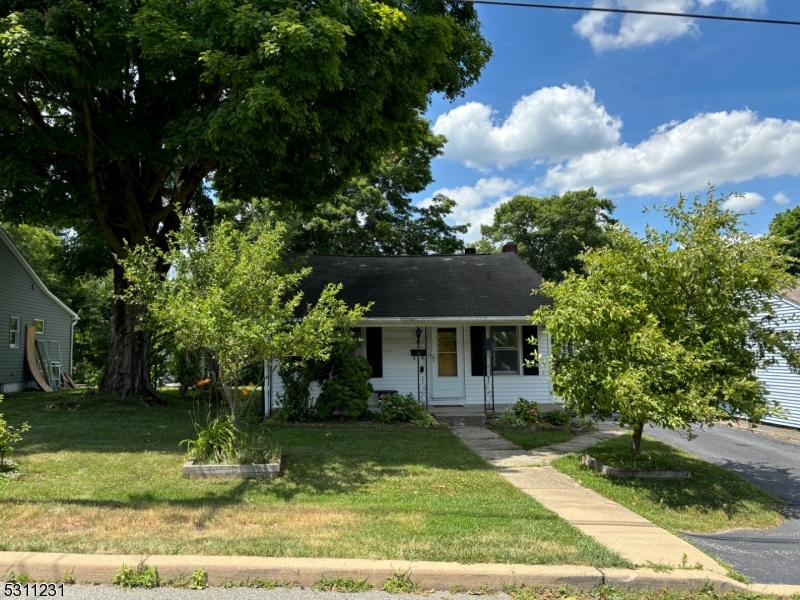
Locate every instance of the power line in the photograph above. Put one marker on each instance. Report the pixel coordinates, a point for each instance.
(631, 11)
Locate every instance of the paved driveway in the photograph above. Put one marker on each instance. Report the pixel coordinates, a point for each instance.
(767, 556)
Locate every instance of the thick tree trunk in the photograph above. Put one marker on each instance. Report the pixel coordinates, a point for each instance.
(636, 441)
(128, 371)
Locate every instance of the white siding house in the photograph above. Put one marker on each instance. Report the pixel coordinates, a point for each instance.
(452, 330)
(783, 385)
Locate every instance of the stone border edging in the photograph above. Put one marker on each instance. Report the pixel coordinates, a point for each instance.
(604, 469)
(260, 471)
(97, 568)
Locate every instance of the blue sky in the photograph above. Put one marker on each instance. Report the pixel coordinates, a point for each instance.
(640, 107)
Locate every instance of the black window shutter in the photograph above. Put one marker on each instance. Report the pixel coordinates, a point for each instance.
(529, 331)
(476, 336)
(375, 350)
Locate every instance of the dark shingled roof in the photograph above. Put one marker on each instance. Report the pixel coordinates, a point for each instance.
(459, 285)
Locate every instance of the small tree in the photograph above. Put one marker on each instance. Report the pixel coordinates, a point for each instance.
(233, 295)
(669, 329)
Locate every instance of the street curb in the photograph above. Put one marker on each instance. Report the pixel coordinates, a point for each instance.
(101, 568)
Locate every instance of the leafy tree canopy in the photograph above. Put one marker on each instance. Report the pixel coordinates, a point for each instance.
(552, 232)
(373, 214)
(116, 115)
(786, 225)
(669, 329)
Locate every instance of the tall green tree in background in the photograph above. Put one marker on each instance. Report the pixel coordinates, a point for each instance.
(552, 232)
(786, 225)
(116, 115)
(670, 328)
(372, 215)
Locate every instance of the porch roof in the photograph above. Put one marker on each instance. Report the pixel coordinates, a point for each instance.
(430, 286)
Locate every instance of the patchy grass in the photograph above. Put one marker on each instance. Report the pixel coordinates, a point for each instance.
(107, 478)
(608, 592)
(713, 499)
(535, 439)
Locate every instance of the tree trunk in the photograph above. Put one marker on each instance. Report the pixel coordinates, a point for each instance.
(636, 441)
(128, 370)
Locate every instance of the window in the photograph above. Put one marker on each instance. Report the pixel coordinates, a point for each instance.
(38, 325)
(13, 332)
(505, 350)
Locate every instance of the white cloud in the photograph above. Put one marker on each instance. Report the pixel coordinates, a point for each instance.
(781, 198)
(743, 202)
(476, 204)
(551, 124)
(643, 30)
(718, 147)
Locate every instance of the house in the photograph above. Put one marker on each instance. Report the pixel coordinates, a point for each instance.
(40, 326)
(783, 385)
(453, 330)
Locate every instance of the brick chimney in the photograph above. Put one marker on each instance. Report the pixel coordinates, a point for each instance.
(510, 247)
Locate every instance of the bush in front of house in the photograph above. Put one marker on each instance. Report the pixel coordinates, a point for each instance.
(527, 411)
(348, 390)
(559, 418)
(9, 435)
(405, 409)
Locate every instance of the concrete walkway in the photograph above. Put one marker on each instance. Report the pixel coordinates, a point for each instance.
(630, 535)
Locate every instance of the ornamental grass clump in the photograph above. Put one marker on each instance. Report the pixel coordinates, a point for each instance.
(220, 442)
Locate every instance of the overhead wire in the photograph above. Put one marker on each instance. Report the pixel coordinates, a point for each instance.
(633, 11)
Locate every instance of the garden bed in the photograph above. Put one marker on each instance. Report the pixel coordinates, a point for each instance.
(265, 471)
(604, 469)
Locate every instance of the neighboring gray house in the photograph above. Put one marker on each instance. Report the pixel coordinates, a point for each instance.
(26, 301)
(453, 330)
(783, 385)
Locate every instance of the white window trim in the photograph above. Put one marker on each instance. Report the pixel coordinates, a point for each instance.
(16, 345)
(519, 353)
(34, 326)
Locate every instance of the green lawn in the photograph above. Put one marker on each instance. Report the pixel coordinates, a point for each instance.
(106, 478)
(713, 499)
(535, 439)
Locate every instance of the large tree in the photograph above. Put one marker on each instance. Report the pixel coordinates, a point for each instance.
(372, 215)
(115, 114)
(786, 226)
(670, 328)
(552, 232)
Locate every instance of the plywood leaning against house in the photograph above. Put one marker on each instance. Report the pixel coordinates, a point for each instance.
(31, 351)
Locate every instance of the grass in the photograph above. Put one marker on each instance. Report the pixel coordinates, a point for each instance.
(535, 439)
(607, 592)
(713, 499)
(107, 478)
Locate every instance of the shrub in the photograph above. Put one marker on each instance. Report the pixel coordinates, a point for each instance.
(348, 389)
(527, 411)
(557, 417)
(9, 435)
(405, 409)
(509, 419)
(296, 396)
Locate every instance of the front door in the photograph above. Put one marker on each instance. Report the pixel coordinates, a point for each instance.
(448, 365)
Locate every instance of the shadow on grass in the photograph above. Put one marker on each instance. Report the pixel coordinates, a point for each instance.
(710, 487)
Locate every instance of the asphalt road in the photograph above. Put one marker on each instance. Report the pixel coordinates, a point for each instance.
(766, 556)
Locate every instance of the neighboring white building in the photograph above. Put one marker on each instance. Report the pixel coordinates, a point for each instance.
(453, 330)
(783, 385)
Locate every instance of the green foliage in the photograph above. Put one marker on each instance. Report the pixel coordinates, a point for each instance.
(342, 584)
(559, 418)
(671, 328)
(54, 257)
(198, 580)
(9, 435)
(142, 575)
(401, 583)
(536, 439)
(295, 398)
(21, 578)
(551, 233)
(219, 441)
(233, 296)
(527, 411)
(786, 227)
(405, 409)
(348, 389)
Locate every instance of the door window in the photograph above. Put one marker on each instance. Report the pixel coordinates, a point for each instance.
(447, 347)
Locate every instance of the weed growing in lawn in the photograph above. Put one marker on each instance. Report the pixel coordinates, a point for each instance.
(257, 583)
(21, 578)
(342, 584)
(69, 576)
(143, 575)
(198, 580)
(401, 583)
(659, 567)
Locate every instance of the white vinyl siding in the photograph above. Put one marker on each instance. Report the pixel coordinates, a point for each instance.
(783, 385)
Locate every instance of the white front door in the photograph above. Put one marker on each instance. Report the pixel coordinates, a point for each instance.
(448, 365)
